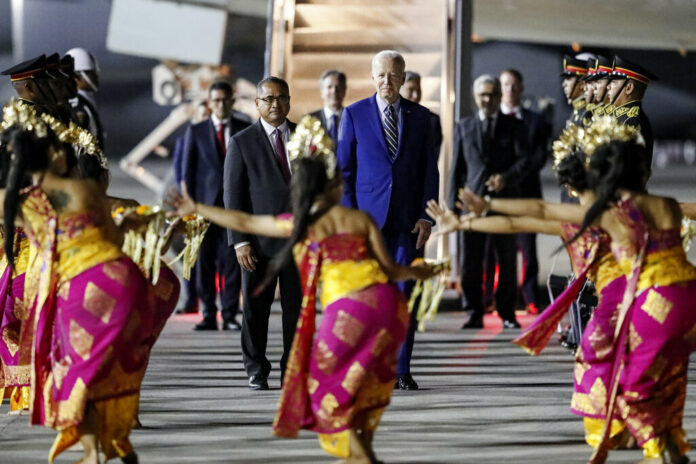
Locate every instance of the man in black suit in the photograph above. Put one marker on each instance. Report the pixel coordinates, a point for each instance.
(411, 90)
(203, 156)
(489, 158)
(333, 90)
(537, 132)
(257, 179)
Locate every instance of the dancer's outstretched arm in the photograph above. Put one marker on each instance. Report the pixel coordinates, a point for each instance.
(563, 212)
(448, 221)
(231, 219)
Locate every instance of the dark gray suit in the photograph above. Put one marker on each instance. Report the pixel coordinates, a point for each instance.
(474, 161)
(253, 182)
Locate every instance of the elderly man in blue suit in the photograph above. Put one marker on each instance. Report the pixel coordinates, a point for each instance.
(388, 160)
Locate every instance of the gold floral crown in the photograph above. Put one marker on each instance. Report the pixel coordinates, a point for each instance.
(21, 114)
(601, 131)
(311, 141)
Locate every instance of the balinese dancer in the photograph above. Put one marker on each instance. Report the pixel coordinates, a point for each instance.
(656, 323)
(340, 376)
(591, 258)
(87, 332)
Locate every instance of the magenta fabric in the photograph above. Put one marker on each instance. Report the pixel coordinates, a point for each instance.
(12, 307)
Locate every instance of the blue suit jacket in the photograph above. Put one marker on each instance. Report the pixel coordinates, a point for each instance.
(393, 193)
(202, 167)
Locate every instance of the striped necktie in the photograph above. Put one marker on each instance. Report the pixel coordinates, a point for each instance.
(391, 132)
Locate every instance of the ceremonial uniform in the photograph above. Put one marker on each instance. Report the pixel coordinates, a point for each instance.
(575, 68)
(631, 113)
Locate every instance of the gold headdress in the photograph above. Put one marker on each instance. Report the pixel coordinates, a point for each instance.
(311, 141)
(566, 144)
(19, 113)
(607, 129)
(603, 130)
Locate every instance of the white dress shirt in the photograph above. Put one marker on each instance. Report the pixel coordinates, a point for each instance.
(382, 105)
(216, 124)
(328, 112)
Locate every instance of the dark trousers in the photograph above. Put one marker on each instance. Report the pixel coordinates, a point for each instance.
(215, 256)
(190, 289)
(472, 246)
(526, 243)
(402, 247)
(257, 310)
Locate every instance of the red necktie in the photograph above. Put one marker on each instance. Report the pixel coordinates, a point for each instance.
(220, 135)
(281, 158)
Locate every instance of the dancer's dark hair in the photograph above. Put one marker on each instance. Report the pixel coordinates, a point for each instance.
(309, 180)
(88, 167)
(571, 171)
(614, 166)
(26, 154)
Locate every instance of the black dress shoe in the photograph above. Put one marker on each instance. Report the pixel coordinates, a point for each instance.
(405, 382)
(257, 382)
(511, 324)
(205, 325)
(231, 325)
(473, 323)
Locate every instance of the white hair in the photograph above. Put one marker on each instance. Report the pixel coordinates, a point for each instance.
(391, 55)
(487, 79)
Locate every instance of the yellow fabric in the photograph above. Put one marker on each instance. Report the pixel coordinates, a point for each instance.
(336, 444)
(594, 428)
(662, 268)
(19, 400)
(116, 417)
(22, 258)
(654, 448)
(343, 277)
(607, 271)
(87, 249)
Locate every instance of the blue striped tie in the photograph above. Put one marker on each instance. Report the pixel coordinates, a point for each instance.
(391, 132)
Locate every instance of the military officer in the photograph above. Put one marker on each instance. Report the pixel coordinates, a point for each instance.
(629, 81)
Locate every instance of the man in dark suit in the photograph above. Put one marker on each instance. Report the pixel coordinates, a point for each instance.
(333, 90)
(489, 158)
(203, 156)
(257, 179)
(411, 90)
(389, 165)
(537, 132)
(201, 113)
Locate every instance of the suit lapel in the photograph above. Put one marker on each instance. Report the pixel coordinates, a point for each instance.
(476, 130)
(405, 126)
(376, 123)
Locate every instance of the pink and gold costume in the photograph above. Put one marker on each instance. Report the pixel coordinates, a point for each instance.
(591, 259)
(342, 378)
(14, 375)
(90, 330)
(656, 332)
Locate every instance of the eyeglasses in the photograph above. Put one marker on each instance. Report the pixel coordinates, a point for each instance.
(281, 99)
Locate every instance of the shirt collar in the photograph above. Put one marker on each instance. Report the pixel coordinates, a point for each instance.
(217, 121)
(270, 129)
(516, 110)
(328, 112)
(482, 116)
(382, 105)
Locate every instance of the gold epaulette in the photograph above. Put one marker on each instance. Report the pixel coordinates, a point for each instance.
(579, 104)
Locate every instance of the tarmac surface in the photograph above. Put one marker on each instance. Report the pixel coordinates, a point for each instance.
(482, 399)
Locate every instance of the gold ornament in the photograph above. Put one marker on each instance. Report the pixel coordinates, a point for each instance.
(20, 114)
(311, 141)
(430, 292)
